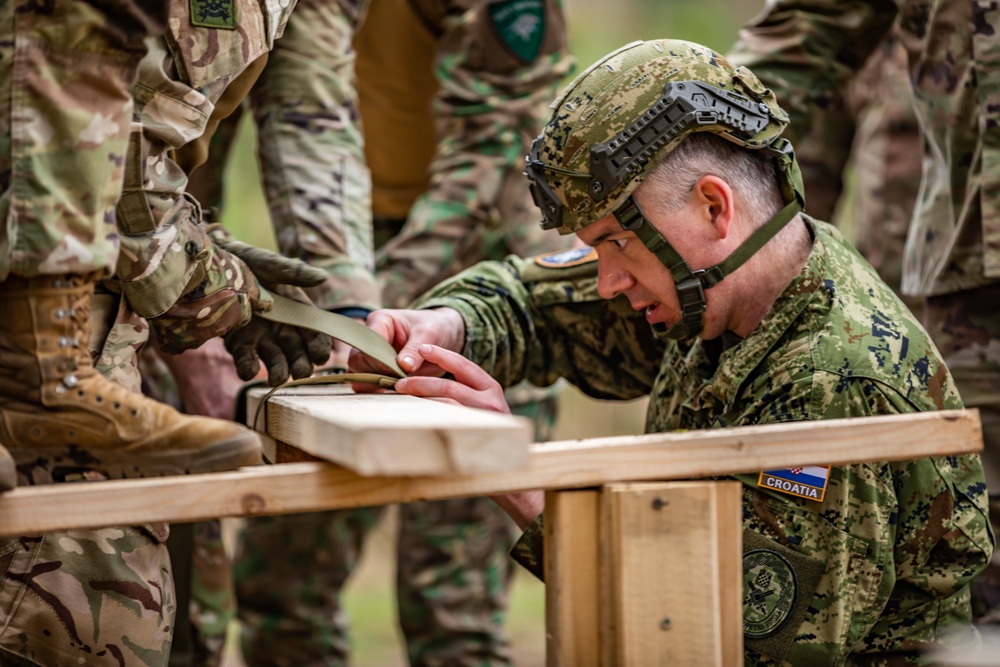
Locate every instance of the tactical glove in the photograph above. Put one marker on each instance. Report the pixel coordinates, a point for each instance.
(224, 305)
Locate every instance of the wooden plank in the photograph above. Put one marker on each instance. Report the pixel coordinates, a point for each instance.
(305, 487)
(675, 573)
(572, 591)
(391, 434)
(729, 526)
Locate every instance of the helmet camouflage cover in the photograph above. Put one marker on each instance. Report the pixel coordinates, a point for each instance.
(622, 115)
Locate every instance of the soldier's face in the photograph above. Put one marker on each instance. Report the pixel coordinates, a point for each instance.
(626, 266)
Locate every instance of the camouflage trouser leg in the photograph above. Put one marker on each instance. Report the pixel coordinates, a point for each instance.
(205, 596)
(96, 597)
(966, 328)
(453, 574)
(289, 572)
(452, 577)
(453, 566)
(213, 597)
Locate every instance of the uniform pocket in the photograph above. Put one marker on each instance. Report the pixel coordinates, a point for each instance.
(842, 600)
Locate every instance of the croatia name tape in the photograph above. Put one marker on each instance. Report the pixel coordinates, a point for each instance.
(807, 482)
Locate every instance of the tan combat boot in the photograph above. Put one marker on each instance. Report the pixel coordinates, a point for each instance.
(8, 473)
(59, 417)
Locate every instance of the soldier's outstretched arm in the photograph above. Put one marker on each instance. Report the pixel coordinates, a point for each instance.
(473, 388)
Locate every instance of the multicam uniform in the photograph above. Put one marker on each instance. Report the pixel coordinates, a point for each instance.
(451, 94)
(874, 129)
(107, 597)
(98, 597)
(882, 565)
(952, 255)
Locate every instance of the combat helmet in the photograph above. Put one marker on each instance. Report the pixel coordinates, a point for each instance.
(617, 120)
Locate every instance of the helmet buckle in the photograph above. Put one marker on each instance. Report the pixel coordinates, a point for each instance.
(691, 293)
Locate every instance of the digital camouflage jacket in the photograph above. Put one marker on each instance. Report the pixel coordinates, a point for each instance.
(882, 564)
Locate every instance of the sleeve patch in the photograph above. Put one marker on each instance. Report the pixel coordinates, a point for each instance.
(520, 27)
(567, 258)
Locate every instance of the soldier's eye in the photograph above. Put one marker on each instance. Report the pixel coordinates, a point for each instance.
(621, 243)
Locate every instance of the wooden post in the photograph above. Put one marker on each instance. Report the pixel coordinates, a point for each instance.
(674, 572)
(644, 574)
(572, 586)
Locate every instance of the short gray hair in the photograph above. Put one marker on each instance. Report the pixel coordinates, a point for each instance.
(750, 173)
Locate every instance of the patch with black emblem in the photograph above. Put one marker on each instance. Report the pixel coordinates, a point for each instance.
(520, 26)
(214, 14)
(778, 588)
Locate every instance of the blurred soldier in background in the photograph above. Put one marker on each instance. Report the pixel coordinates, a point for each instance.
(808, 52)
(861, 160)
(451, 95)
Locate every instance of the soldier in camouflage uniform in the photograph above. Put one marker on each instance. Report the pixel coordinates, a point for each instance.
(439, 206)
(106, 597)
(672, 165)
(952, 256)
(862, 157)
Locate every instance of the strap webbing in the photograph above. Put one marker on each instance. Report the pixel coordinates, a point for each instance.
(691, 285)
(752, 244)
(382, 381)
(355, 334)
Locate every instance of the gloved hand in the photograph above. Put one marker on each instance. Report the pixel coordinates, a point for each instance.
(224, 305)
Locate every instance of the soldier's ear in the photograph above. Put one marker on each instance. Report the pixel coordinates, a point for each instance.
(713, 201)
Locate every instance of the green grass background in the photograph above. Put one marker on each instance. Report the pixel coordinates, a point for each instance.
(595, 29)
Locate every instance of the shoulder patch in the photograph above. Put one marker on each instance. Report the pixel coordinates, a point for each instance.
(769, 589)
(214, 14)
(520, 26)
(567, 258)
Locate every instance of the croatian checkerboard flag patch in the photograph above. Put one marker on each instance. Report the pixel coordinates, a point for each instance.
(806, 482)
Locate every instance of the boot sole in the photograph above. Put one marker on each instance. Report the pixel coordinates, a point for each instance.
(49, 465)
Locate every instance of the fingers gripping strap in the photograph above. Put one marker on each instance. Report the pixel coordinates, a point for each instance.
(355, 334)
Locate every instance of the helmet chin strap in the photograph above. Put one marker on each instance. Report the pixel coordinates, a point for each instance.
(691, 285)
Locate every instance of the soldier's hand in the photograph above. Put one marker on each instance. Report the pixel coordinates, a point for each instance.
(226, 301)
(472, 387)
(406, 331)
(284, 349)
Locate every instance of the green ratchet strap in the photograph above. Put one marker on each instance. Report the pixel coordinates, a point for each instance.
(691, 285)
(383, 381)
(355, 334)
